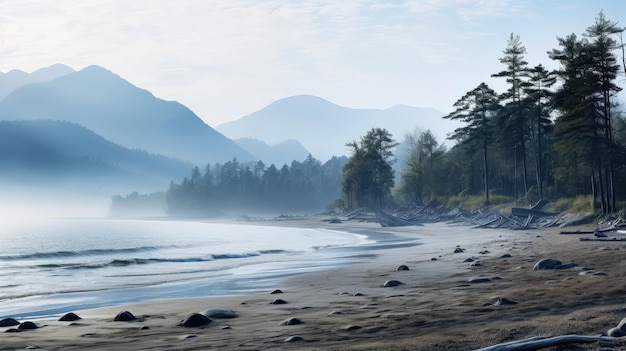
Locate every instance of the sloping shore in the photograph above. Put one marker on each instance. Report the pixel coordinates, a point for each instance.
(438, 306)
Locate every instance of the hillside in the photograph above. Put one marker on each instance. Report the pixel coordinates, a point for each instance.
(278, 154)
(324, 128)
(52, 154)
(122, 113)
(15, 79)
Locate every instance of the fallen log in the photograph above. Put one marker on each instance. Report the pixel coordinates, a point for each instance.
(602, 239)
(525, 212)
(540, 343)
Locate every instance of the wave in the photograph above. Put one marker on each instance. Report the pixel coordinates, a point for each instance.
(122, 262)
(65, 254)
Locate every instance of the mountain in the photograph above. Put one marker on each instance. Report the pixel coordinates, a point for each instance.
(324, 128)
(15, 78)
(278, 154)
(54, 154)
(122, 113)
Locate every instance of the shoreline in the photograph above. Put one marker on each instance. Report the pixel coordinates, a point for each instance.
(436, 307)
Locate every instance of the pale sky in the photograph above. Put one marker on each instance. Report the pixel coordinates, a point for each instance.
(226, 59)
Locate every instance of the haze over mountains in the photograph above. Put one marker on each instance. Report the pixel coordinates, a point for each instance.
(94, 133)
(122, 113)
(324, 128)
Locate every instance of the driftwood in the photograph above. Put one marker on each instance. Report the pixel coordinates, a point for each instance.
(602, 239)
(540, 343)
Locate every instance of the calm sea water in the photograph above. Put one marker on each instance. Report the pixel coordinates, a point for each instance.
(55, 266)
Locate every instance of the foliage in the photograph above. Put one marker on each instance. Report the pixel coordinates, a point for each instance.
(367, 175)
(233, 186)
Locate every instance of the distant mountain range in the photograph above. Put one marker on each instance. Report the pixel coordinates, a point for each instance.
(50, 154)
(278, 154)
(122, 113)
(14, 79)
(324, 128)
(90, 131)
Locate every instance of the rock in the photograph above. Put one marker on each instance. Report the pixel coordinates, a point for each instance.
(219, 313)
(458, 250)
(502, 301)
(278, 302)
(402, 268)
(124, 316)
(277, 291)
(69, 317)
(434, 259)
(484, 252)
(392, 283)
(12, 330)
(566, 266)
(350, 327)
(195, 320)
(479, 280)
(27, 326)
(616, 332)
(506, 255)
(475, 264)
(469, 259)
(546, 263)
(292, 321)
(357, 294)
(8, 322)
(335, 312)
(294, 338)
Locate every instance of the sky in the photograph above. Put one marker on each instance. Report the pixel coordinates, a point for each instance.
(227, 59)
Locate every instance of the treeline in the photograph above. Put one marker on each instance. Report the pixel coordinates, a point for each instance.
(234, 186)
(551, 134)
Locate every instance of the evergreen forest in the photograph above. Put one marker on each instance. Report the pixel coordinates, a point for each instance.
(551, 134)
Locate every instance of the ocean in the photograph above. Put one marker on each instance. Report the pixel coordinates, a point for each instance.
(50, 267)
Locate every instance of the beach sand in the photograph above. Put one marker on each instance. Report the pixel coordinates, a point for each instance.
(436, 307)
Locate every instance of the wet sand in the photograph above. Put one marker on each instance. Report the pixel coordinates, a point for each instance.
(435, 308)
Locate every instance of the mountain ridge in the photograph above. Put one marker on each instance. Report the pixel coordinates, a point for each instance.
(324, 128)
(102, 101)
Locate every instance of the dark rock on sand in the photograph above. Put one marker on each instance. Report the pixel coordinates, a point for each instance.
(292, 321)
(479, 280)
(277, 291)
(506, 255)
(566, 266)
(392, 283)
(219, 313)
(195, 320)
(502, 301)
(8, 322)
(124, 316)
(546, 263)
(458, 250)
(294, 338)
(278, 302)
(475, 264)
(469, 259)
(12, 330)
(402, 268)
(69, 317)
(484, 252)
(27, 326)
(357, 294)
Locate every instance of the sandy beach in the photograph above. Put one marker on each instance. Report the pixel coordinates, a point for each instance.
(439, 305)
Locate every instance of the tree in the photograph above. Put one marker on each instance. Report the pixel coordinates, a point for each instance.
(477, 108)
(420, 178)
(538, 97)
(515, 124)
(368, 176)
(585, 102)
